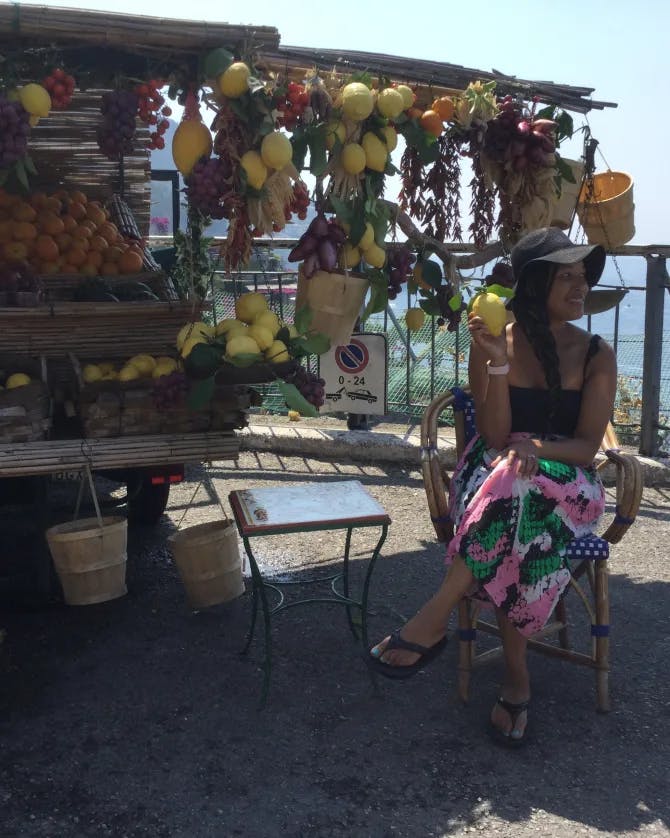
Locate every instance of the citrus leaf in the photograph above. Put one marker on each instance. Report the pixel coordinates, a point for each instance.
(202, 360)
(201, 394)
(500, 290)
(431, 306)
(303, 318)
(455, 302)
(30, 166)
(377, 302)
(315, 344)
(431, 273)
(295, 400)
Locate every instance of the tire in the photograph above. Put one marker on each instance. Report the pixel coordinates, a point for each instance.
(147, 502)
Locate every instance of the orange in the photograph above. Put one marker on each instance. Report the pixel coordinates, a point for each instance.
(23, 212)
(15, 251)
(444, 106)
(5, 231)
(69, 224)
(93, 257)
(96, 213)
(77, 210)
(109, 232)
(6, 200)
(46, 248)
(130, 262)
(54, 204)
(431, 122)
(414, 113)
(67, 268)
(50, 223)
(91, 225)
(98, 243)
(24, 230)
(81, 231)
(88, 270)
(49, 267)
(77, 256)
(109, 269)
(79, 197)
(64, 241)
(113, 253)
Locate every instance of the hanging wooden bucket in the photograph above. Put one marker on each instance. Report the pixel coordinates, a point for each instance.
(208, 559)
(90, 558)
(336, 299)
(565, 206)
(609, 219)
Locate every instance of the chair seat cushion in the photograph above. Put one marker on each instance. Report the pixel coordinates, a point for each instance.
(588, 547)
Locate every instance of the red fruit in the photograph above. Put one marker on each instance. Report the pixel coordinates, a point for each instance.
(302, 215)
(142, 90)
(58, 73)
(304, 98)
(159, 142)
(59, 90)
(69, 83)
(153, 119)
(49, 83)
(166, 111)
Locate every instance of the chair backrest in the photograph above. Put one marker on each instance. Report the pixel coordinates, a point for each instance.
(629, 483)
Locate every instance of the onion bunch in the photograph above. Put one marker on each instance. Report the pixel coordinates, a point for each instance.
(317, 248)
(518, 140)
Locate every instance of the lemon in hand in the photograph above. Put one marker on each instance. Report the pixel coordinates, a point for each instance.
(492, 310)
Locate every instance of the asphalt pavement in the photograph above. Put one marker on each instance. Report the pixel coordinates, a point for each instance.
(139, 717)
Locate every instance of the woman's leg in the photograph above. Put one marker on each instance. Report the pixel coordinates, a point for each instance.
(516, 685)
(429, 624)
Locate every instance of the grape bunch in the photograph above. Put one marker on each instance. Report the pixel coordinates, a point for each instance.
(291, 106)
(169, 390)
(400, 262)
(14, 131)
(153, 111)
(448, 316)
(299, 202)
(311, 387)
(61, 87)
(208, 185)
(116, 132)
(517, 139)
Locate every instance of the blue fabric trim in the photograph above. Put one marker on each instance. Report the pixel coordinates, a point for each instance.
(441, 519)
(467, 634)
(622, 519)
(600, 631)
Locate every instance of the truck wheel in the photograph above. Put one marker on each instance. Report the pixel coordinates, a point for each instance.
(147, 502)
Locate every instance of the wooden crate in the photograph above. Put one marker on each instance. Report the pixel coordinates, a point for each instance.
(25, 412)
(114, 408)
(60, 288)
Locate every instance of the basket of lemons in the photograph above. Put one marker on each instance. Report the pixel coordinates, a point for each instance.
(25, 399)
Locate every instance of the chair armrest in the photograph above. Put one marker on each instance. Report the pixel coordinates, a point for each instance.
(629, 486)
(435, 477)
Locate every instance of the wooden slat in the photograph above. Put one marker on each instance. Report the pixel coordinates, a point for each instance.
(49, 457)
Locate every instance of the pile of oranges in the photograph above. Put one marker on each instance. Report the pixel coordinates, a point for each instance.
(64, 233)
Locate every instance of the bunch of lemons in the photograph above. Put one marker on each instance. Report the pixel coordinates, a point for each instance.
(135, 368)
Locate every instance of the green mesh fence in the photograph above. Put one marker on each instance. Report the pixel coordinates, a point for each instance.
(424, 363)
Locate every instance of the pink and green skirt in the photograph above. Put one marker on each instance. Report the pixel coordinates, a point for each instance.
(512, 532)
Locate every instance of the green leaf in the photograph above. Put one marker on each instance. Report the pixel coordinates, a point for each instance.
(215, 62)
(303, 318)
(315, 344)
(4, 174)
(245, 359)
(203, 360)
(299, 143)
(283, 335)
(295, 400)
(201, 394)
(566, 126)
(377, 302)
(454, 302)
(344, 210)
(500, 290)
(318, 159)
(255, 85)
(22, 175)
(431, 306)
(30, 166)
(564, 170)
(358, 225)
(431, 273)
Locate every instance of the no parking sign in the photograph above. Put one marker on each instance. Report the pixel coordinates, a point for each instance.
(355, 375)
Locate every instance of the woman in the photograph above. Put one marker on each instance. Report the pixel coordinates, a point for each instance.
(525, 485)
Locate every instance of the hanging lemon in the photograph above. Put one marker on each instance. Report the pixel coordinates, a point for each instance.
(276, 150)
(35, 99)
(234, 82)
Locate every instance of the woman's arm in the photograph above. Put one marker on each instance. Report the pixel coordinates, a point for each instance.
(490, 392)
(598, 393)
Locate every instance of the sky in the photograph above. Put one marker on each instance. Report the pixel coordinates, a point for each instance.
(617, 47)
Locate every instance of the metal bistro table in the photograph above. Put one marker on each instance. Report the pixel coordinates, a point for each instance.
(306, 507)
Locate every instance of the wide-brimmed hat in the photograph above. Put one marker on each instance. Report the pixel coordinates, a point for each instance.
(549, 244)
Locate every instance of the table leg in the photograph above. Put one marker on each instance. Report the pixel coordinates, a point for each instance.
(258, 590)
(345, 582)
(366, 587)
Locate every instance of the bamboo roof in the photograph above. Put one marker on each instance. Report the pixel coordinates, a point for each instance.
(435, 75)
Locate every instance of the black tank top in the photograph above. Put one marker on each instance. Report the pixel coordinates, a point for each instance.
(530, 406)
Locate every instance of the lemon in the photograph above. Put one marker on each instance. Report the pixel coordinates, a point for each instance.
(228, 325)
(189, 343)
(91, 373)
(353, 158)
(234, 81)
(144, 363)
(165, 359)
(35, 99)
(166, 367)
(33, 120)
(261, 335)
(241, 345)
(129, 373)
(375, 256)
(414, 318)
(193, 329)
(376, 152)
(17, 379)
(276, 150)
(357, 101)
(407, 95)
(390, 103)
(277, 353)
(293, 416)
(107, 367)
(350, 256)
(110, 376)
(492, 311)
(191, 141)
(249, 306)
(255, 168)
(368, 237)
(335, 131)
(390, 137)
(267, 320)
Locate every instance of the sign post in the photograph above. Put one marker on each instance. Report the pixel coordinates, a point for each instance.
(355, 375)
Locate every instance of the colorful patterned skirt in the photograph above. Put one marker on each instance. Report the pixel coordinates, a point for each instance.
(512, 532)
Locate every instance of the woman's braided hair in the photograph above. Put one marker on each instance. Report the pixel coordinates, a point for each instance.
(529, 305)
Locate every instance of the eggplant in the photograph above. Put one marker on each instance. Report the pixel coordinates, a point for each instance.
(546, 126)
(327, 255)
(305, 247)
(335, 233)
(318, 227)
(310, 266)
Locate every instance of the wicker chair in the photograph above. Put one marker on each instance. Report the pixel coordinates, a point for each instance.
(588, 556)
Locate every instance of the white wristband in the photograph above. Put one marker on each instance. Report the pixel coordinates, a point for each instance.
(501, 370)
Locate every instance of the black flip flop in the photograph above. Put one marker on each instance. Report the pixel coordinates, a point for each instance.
(514, 711)
(428, 653)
